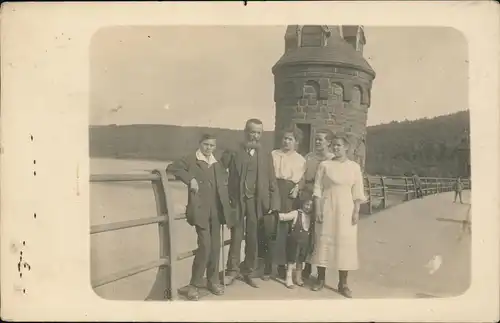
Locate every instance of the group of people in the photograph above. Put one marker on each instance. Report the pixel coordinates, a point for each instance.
(292, 211)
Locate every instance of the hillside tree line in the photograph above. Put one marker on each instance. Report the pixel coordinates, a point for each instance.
(426, 146)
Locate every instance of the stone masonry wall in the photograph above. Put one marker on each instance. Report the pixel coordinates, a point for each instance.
(327, 97)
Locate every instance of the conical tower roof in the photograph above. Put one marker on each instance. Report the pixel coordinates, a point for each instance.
(336, 51)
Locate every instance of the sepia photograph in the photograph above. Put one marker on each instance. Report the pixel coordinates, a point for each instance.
(302, 162)
(279, 162)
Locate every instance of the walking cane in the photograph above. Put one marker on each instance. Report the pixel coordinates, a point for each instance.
(222, 256)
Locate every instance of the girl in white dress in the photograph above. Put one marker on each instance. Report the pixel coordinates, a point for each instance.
(338, 194)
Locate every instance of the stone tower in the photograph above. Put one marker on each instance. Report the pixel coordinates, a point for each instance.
(323, 81)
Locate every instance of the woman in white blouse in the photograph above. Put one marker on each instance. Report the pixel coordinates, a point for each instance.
(338, 194)
(289, 167)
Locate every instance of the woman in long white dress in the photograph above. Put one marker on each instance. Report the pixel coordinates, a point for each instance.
(338, 193)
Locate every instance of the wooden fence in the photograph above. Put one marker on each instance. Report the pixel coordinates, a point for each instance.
(377, 188)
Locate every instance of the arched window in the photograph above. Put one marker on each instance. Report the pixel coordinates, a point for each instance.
(356, 95)
(311, 90)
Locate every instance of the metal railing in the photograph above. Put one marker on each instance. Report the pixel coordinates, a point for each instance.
(164, 218)
(376, 187)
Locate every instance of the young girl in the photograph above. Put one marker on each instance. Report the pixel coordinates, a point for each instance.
(299, 240)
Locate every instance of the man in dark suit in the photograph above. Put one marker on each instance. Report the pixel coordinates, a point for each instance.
(253, 193)
(207, 210)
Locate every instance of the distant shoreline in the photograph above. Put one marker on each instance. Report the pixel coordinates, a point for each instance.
(110, 165)
(132, 158)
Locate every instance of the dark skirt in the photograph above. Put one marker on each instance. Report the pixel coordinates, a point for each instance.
(288, 204)
(308, 187)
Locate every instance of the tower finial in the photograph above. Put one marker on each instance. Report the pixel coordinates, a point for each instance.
(358, 32)
(299, 35)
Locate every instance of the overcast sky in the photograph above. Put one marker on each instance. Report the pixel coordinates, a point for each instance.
(220, 76)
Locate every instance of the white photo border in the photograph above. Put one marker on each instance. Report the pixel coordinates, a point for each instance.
(45, 113)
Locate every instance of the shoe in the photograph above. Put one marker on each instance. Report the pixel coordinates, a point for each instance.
(192, 293)
(319, 285)
(215, 289)
(306, 272)
(266, 277)
(289, 277)
(249, 280)
(230, 278)
(298, 277)
(345, 291)
(268, 269)
(281, 272)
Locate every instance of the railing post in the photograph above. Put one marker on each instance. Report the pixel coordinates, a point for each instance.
(370, 199)
(384, 192)
(164, 208)
(414, 188)
(437, 185)
(407, 190)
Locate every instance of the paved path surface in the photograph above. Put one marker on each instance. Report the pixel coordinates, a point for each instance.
(396, 246)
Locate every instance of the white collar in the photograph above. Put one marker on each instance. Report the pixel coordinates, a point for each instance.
(284, 153)
(209, 160)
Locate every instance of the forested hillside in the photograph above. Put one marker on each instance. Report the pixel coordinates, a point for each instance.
(426, 146)
(157, 142)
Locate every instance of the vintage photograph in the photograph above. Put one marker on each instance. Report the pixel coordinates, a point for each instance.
(279, 162)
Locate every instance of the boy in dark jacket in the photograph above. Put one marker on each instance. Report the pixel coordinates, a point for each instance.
(207, 210)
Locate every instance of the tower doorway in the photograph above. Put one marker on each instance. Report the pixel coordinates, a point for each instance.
(306, 143)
